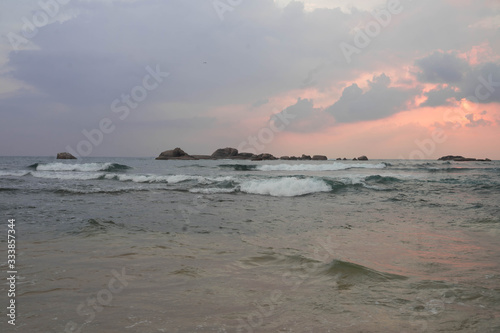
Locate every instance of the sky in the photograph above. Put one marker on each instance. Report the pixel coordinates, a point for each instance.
(387, 79)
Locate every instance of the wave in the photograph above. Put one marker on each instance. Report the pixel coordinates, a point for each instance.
(67, 176)
(66, 191)
(382, 179)
(240, 167)
(212, 190)
(169, 179)
(8, 189)
(345, 274)
(285, 187)
(276, 259)
(348, 274)
(136, 178)
(279, 186)
(304, 167)
(318, 167)
(93, 227)
(13, 173)
(449, 169)
(84, 167)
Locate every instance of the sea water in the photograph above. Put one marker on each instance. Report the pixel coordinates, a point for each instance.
(139, 245)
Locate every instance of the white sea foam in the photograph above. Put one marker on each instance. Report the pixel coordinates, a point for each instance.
(13, 173)
(212, 190)
(170, 179)
(67, 176)
(285, 187)
(318, 167)
(84, 167)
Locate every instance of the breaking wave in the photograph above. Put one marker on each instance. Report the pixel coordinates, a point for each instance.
(84, 167)
(285, 187)
(303, 167)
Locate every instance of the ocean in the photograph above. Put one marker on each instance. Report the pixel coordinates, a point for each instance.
(140, 245)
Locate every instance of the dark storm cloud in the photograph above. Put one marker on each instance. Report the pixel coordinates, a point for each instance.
(305, 118)
(478, 83)
(482, 84)
(378, 102)
(441, 67)
(439, 97)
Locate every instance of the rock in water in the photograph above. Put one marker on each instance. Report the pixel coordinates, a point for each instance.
(263, 156)
(363, 158)
(175, 154)
(450, 158)
(244, 156)
(223, 153)
(459, 158)
(65, 156)
(319, 157)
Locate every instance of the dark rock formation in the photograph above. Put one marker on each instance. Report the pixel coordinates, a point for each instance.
(175, 154)
(355, 159)
(450, 158)
(65, 156)
(264, 156)
(223, 153)
(243, 156)
(344, 159)
(339, 159)
(202, 157)
(363, 158)
(458, 158)
(319, 158)
(232, 153)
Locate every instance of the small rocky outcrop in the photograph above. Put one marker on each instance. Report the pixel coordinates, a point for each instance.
(306, 157)
(202, 157)
(263, 157)
(243, 156)
(285, 158)
(65, 156)
(458, 158)
(224, 153)
(450, 158)
(363, 158)
(319, 158)
(175, 154)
